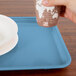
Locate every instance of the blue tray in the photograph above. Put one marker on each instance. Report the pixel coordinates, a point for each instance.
(38, 48)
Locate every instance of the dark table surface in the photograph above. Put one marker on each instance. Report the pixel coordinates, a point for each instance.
(66, 27)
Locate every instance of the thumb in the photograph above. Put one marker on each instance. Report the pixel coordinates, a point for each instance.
(54, 2)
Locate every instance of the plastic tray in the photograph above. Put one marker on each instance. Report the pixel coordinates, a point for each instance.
(38, 48)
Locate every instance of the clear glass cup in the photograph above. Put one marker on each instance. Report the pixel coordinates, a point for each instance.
(46, 16)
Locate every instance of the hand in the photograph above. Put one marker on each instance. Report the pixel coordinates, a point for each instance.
(70, 12)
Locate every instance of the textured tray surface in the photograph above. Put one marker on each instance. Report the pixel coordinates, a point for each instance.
(38, 48)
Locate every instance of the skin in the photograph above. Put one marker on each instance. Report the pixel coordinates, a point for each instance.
(70, 12)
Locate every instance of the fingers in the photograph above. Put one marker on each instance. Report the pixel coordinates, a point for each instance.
(54, 2)
(70, 15)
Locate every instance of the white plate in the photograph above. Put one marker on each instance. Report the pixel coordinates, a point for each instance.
(9, 46)
(8, 29)
(9, 22)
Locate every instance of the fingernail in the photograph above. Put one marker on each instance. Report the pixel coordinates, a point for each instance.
(45, 2)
